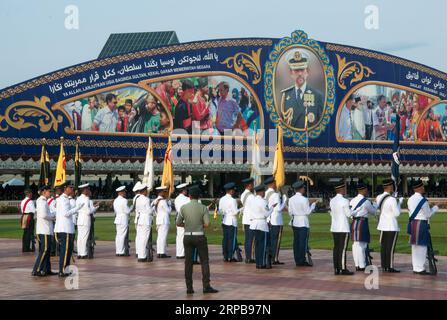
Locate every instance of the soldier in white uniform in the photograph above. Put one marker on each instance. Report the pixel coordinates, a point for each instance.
(229, 211)
(84, 221)
(143, 220)
(27, 222)
(340, 213)
(362, 208)
(389, 208)
(274, 199)
(179, 201)
(64, 228)
(246, 197)
(418, 228)
(299, 210)
(44, 232)
(162, 209)
(122, 212)
(260, 227)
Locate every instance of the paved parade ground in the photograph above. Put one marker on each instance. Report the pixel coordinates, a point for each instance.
(111, 277)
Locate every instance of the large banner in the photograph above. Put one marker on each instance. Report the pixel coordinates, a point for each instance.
(333, 102)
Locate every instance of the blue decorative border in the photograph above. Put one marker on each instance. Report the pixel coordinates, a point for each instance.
(300, 38)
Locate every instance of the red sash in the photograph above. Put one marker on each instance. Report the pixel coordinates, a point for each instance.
(51, 200)
(26, 217)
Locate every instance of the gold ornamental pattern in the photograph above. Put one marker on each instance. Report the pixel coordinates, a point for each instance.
(352, 69)
(242, 61)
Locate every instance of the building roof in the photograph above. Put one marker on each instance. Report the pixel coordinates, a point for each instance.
(121, 43)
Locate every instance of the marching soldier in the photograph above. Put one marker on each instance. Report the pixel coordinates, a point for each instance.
(52, 204)
(388, 226)
(228, 209)
(27, 222)
(44, 232)
(85, 220)
(340, 212)
(122, 212)
(64, 227)
(275, 200)
(299, 209)
(246, 197)
(418, 227)
(260, 228)
(179, 201)
(163, 210)
(143, 221)
(194, 217)
(362, 208)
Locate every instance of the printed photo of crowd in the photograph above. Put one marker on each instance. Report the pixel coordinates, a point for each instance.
(370, 113)
(129, 109)
(210, 104)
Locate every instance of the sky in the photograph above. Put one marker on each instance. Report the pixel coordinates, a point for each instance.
(34, 40)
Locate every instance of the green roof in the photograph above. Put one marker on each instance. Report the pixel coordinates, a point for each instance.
(121, 43)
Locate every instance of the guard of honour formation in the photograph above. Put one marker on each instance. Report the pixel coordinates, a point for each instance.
(261, 208)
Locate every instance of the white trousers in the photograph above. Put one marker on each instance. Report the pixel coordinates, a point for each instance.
(162, 238)
(180, 249)
(121, 231)
(83, 233)
(143, 233)
(358, 252)
(418, 257)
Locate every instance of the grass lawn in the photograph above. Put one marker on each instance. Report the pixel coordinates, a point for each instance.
(320, 237)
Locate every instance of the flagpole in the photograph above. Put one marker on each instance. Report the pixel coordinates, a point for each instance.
(307, 156)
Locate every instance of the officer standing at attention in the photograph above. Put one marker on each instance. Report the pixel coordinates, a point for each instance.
(143, 219)
(122, 212)
(362, 208)
(64, 227)
(299, 210)
(229, 211)
(274, 200)
(260, 227)
(194, 217)
(84, 221)
(418, 228)
(179, 201)
(44, 231)
(340, 213)
(163, 210)
(389, 208)
(246, 197)
(27, 222)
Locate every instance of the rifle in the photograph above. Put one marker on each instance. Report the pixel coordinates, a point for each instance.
(433, 270)
(368, 257)
(91, 238)
(150, 250)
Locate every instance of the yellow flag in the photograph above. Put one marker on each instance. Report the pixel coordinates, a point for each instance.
(278, 163)
(215, 213)
(167, 179)
(60, 168)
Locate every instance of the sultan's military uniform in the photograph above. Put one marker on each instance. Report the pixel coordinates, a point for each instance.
(296, 101)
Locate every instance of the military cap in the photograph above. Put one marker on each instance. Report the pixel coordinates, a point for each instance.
(122, 188)
(161, 188)
(269, 180)
(85, 185)
(137, 186)
(298, 185)
(417, 184)
(45, 187)
(361, 186)
(248, 181)
(229, 186)
(182, 186)
(297, 60)
(340, 185)
(388, 182)
(260, 187)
